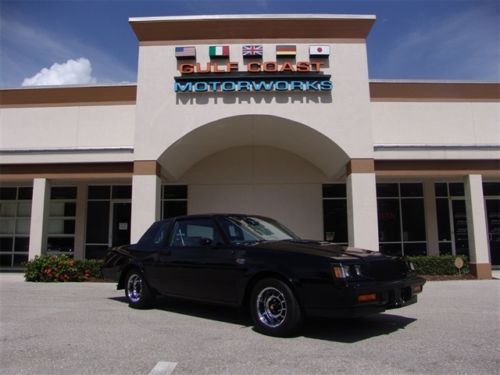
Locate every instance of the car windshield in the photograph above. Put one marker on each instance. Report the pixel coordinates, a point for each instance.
(241, 229)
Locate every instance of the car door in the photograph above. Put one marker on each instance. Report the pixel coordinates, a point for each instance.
(199, 264)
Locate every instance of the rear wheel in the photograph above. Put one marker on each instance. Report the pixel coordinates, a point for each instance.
(137, 291)
(275, 310)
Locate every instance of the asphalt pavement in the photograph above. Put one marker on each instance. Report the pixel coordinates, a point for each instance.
(88, 328)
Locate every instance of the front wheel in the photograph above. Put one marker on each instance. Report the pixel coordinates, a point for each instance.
(274, 308)
(137, 291)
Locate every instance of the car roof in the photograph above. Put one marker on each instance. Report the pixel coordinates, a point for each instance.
(197, 216)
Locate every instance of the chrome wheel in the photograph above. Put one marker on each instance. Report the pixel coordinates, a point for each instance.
(134, 288)
(271, 307)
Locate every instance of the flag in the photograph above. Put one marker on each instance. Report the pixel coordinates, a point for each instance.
(185, 52)
(218, 51)
(286, 50)
(319, 51)
(252, 51)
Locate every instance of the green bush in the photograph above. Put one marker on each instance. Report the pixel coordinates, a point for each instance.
(62, 268)
(438, 265)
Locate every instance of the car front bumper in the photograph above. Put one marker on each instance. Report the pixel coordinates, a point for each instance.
(345, 301)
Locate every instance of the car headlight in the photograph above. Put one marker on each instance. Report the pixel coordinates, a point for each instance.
(346, 271)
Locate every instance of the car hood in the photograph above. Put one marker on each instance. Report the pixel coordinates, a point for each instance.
(317, 248)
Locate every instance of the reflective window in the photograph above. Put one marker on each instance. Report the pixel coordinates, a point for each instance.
(335, 213)
(451, 219)
(15, 219)
(401, 218)
(61, 221)
(195, 233)
(174, 201)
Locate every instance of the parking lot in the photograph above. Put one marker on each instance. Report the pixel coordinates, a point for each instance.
(87, 328)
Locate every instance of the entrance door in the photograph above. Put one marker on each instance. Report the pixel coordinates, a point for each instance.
(459, 227)
(493, 219)
(121, 224)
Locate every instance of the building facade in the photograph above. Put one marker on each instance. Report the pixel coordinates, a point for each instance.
(271, 115)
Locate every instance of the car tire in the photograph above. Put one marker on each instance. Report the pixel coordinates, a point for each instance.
(274, 308)
(137, 291)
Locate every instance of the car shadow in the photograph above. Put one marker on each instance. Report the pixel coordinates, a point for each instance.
(338, 330)
(220, 313)
(356, 329)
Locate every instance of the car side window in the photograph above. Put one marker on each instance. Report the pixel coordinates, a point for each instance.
(195, 233)
(155, 237)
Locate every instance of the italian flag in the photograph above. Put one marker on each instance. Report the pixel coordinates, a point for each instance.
(218, 51)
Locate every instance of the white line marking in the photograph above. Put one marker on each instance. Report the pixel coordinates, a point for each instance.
(163, 368)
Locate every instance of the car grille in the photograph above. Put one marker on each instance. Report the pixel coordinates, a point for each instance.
(385, 270)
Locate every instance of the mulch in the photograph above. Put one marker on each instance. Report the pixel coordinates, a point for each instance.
(466, 276)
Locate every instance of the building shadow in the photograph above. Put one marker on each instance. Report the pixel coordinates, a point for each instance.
(338, 330)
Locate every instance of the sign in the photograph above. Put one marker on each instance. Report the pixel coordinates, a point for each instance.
(256, 76)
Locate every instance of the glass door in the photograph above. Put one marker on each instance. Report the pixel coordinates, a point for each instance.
(121, 224)
(459, 227)
(493, 220)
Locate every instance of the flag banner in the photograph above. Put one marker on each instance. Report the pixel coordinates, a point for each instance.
(253, 51)
(218, 51)
(319, 51)
(286, 50)
(185, 52)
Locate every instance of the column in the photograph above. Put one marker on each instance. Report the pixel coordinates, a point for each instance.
(39, 215)
(146, 190)
(80, 222)
(476, 227)
(362, 216)
(431, 226)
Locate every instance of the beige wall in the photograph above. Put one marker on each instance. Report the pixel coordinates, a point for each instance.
(66, 127)
(164, 117)
(436, 124)
(259, 180)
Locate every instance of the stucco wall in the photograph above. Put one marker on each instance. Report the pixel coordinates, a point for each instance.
(163, 116)
(259, 180)
(66, 127)
(434, 124)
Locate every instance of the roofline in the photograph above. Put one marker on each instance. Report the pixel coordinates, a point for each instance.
(277, 16)
(405, 90)
(251, 27)
(68, 95)
(380, 90)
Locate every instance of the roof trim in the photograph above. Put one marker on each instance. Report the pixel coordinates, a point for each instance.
(443, 90)
(109, 94)
(251, 27)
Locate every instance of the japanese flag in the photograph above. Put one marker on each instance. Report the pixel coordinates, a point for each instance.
(319, 50)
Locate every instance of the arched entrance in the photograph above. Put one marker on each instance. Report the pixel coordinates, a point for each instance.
(258, 165)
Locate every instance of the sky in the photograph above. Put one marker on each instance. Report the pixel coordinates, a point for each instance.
(90, 42)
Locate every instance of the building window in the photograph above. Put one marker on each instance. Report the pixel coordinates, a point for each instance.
(335, 213)
(401, 219)
(174, 199)
(108, 218)
(15, 216)
(61, 221)
(451, 218)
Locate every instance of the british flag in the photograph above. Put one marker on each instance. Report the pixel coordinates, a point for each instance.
(252, 51)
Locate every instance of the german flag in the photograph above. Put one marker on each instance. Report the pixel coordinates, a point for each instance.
(286, 50)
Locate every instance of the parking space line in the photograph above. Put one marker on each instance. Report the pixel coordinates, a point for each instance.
(163, 368)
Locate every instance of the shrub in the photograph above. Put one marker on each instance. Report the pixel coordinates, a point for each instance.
(62, 268)
(438, 265)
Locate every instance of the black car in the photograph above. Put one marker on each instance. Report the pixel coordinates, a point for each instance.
(254, 261)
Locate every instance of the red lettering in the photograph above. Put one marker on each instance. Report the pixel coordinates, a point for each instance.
(303, 66)
(186, 68)
(254, 67)
(287, 67)
(270, 66)
(317, 66)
